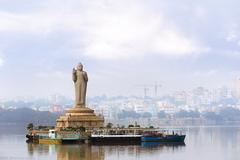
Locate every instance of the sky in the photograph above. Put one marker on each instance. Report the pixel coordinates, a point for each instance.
(123, 45)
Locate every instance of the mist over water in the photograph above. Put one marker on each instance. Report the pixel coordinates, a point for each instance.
(214, 142)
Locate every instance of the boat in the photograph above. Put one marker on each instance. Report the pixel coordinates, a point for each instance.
(49, 138)
(162, 136)
(55, 137)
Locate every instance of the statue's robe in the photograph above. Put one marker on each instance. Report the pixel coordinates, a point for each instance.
(80, 79)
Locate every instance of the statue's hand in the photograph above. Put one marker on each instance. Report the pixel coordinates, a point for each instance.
(74, 76)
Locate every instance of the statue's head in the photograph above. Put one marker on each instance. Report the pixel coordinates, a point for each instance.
(80, 66)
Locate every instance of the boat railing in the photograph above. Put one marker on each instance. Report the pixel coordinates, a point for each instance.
(138, 131)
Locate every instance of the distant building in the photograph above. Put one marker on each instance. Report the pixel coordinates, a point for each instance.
(237, 87)
(166, 107)
(56, 108)
(140, 106)
(180, 97)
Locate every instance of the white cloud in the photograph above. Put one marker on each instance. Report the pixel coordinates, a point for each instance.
(1, 60)
(124, 32)
(52, 75)
(106, 29)
(206, 74)
(232, 36)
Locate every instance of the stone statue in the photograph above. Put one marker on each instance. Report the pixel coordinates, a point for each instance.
(80, 80)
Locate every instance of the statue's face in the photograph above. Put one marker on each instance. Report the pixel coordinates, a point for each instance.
(80, 67)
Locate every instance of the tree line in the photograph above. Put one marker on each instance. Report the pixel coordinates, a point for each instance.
(27, 115)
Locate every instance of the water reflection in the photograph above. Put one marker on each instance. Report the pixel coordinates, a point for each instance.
(38, 149)
(93, 152)
(215, 142)
(76, 152)
(162, 145)
(68, 152)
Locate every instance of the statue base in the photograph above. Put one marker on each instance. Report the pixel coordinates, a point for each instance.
(80, 117)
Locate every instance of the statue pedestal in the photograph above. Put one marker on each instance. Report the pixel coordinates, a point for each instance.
(80, 117)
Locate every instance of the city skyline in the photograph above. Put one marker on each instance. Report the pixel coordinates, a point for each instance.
(180, 45)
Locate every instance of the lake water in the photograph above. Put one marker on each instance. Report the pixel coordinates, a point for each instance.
(201, 143)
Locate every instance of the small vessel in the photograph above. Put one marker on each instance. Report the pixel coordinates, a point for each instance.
(55, 137)
(51, 138)
(162, 136)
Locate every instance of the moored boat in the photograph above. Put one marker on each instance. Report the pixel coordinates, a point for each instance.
(160, 138)
(157, 136)
(55, 137)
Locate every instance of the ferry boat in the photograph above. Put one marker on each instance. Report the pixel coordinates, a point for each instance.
(162, 136)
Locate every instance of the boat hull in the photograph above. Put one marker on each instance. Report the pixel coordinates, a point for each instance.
(116, 139)
(50, 141)
(167, 138)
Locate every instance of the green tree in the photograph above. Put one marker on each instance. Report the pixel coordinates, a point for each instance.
(109, 125)
(30, 126)
(82, 129)
(130, 125)
(151, 127)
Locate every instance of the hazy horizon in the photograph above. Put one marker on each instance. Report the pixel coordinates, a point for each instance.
(122, 45)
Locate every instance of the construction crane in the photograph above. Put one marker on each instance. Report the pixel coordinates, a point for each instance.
(146, 88)
(156, 85)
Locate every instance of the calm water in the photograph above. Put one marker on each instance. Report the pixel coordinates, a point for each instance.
(202, 143)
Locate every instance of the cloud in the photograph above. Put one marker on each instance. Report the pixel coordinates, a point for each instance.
(124, 36)
(233, 35)
(206, 74)
(106, 29)
(1, 62)
(52, 75)
(1, 59)
(121, 30)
